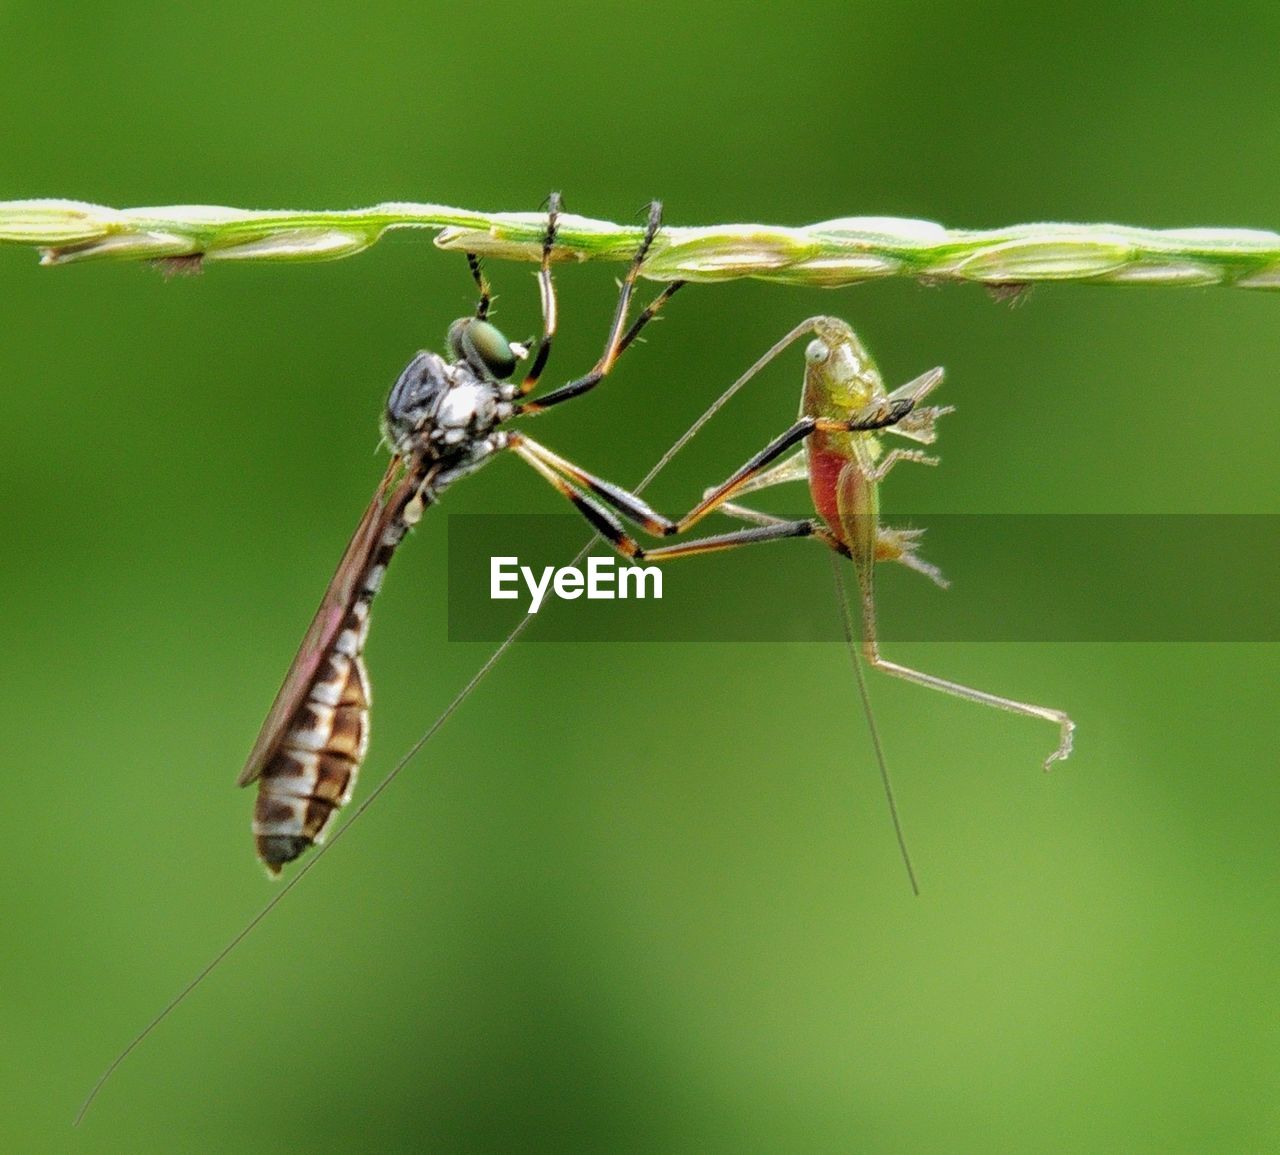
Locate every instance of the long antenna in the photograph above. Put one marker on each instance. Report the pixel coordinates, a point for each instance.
(430, 732)
(302, 871)
(846, 620)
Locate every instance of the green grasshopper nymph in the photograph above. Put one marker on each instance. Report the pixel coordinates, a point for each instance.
(845, 414)
(837, 441)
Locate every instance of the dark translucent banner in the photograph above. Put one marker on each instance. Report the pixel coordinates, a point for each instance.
(1062, 578)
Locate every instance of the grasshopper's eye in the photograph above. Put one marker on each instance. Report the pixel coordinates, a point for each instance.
(816, 352)
(482, 346)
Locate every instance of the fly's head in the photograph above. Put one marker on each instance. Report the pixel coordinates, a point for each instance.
(439, 408)
(840, 377)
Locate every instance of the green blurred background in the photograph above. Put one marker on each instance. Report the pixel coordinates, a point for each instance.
(635, 897)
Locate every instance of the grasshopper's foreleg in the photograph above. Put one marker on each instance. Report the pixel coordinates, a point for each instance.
(881, 468)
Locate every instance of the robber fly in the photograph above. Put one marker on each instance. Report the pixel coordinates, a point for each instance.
(445, 417)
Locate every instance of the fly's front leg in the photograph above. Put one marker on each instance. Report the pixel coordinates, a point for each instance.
(794, 468)
(482, 284)
(551, 464)
(551, 468)
(620, 337)
(547, 293)
(644, 515)
(760, 472)
(893, 414)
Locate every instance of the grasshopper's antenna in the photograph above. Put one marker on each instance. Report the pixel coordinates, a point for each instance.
(409, 754)
(846, 620)
(302, 871)
(467, 690)
(173, 1003)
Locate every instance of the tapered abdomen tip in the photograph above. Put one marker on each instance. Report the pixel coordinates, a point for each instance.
(275, 850)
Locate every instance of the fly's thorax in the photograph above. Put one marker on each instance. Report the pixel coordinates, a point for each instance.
(437, 408)
(840, 377)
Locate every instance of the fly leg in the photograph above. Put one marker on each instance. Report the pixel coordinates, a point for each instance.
(619, 337)
(597, 508)
(547, 293)
(570, 479)
(482, 284)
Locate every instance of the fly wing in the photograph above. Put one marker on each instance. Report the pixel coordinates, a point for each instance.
(324, 627)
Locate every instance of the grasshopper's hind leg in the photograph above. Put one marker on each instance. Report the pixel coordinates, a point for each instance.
(871, 652)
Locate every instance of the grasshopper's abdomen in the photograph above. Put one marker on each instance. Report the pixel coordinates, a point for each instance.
(825, 464)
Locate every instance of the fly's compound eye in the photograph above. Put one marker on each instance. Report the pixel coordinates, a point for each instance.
(816, 352)
(482, 347)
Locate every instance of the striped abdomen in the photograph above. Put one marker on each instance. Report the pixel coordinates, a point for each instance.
(312, 769)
